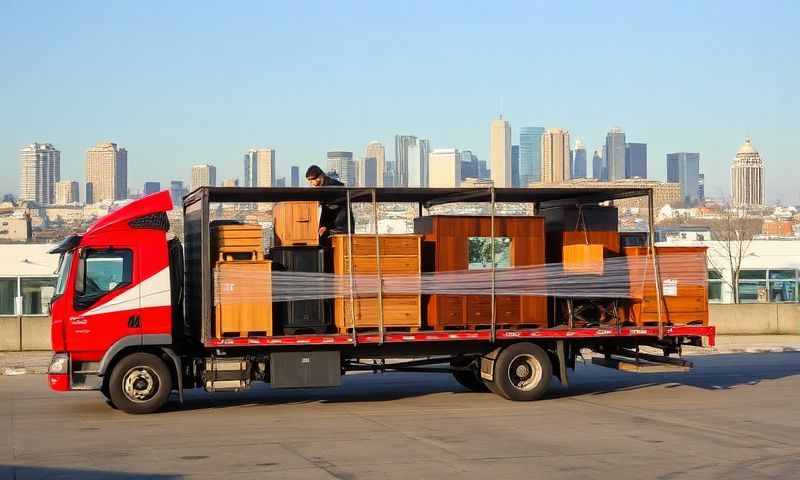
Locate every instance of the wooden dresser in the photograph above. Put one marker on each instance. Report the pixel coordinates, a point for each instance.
(243, 298)
(400, 255)
(243, 241)
(446, 248)
(296, 223)
(686, 304)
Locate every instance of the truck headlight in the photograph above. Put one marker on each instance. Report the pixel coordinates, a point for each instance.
(59, 364)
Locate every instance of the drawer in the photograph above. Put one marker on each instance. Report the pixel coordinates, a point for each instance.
(398, 310)
(389, 265)
(394, 245)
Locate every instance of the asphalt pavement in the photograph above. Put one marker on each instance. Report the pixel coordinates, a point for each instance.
(733, 417)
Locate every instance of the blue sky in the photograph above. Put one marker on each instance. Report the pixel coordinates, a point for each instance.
(200, 82)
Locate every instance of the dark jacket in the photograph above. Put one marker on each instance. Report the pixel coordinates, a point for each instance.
(334, 215)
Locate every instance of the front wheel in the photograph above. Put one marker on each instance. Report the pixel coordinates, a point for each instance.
(522, 372)
(140, 383)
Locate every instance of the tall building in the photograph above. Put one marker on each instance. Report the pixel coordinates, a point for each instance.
(177, 191)
(469, 165)
(401, 145)
(500, 153)
(701, 187)
(418, 158)
(67, 192)
(295, 176)
(747, 178)
(40, 170)
(106, 173)
(579, 160)
(555, 156)
(515, 165)
(635, 160)
(615, 154)
(250, 177)
(151, 187)
(388, 175)
(368, 172)
(377, 151)
(684, 168)
(342, 163)
(530, 160)
(204, 176)
(444, 168)
(265, 165)
(597, 166)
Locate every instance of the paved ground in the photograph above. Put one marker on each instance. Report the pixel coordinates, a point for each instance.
(734, 416)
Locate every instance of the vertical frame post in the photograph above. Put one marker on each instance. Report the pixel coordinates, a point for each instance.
(651, 226)
(494, 270)
(350, 268)
(378, 266)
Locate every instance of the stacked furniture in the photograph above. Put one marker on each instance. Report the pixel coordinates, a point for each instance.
(446, 248)
(587, 225)
(303, 316)
(683, 270)
(296, 223)
(242, 281)
(399, 255)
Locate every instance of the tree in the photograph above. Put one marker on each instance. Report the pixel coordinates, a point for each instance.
(733, 233)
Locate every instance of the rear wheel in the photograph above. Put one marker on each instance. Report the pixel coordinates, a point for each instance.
(140, 383)
(471, 378)
(522, 372)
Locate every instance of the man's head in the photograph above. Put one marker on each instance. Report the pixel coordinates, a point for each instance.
(315, 176)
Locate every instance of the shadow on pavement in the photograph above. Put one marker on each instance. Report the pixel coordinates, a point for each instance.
(13, 472)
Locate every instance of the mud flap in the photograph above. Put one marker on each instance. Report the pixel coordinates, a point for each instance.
(487, 364)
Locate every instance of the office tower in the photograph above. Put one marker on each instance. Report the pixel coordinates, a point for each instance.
(250, 178)
(444, 168)
(483, 172)
(555, 156)
(684, 168)
(106, 173)
(295, 176)
(515, 165)
(204, 176)
(151, 187)
(747, 178)
(265, 167)
(388, 175)
(500, 153)
(579, 160)
(377, 151)
(176, 191)
(530, 160)
(597, 166)
(67, 192)
(40, 170)
(230, 182)
(418, 161)
(401, 144)
(368, 172)
(614, 155)
(469, 165)
(342, 163)
(635, 160)
(280, 182)
(701, 187)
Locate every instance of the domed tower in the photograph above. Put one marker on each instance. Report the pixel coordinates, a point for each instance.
(747, 177)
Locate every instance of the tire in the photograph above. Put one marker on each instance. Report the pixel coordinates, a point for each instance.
(469, 379)
(140, 383)
(522, 372)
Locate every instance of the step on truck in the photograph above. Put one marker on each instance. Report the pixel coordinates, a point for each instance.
(134, 312)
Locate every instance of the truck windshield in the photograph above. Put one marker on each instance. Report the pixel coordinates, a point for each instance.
(64, 264)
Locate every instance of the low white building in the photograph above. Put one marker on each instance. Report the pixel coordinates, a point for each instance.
(27, 278)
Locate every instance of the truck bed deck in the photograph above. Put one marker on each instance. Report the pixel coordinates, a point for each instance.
(479, 335)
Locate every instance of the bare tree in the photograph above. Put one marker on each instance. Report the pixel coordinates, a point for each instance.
(733, 233)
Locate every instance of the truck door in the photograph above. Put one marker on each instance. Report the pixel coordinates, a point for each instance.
(107, 301)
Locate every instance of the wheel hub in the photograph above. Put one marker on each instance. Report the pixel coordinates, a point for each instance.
(140, 384)
(524, 372)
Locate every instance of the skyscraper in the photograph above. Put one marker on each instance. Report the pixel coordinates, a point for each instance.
(418, 164)
(555, 156)
(40, 170)
(515, 165)
(684, 168)
(401, 144)
(747, 178)
(204, 176)
(469, 165)
(530, 160)
(265, 167)
(176, 191)
(295, 176)
(615, 154)
(579, 160)
(342, 163)
(368, 172)
(597, 166)
(377, 151)
(500, 153)
(250, 178)
(701, 187)
(67, 192)
(635, 160)
(424, 145)
(445, 168)
(106, 173)
(151, 187)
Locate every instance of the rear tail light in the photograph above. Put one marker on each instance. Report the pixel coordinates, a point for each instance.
(59, 364)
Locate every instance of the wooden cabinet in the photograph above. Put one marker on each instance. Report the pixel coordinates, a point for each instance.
(237, 240)
(296, 223)
(446, 248)
(399, 255)
(243, 298)
(683, 271)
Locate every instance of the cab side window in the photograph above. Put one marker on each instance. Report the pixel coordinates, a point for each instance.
(100, 272)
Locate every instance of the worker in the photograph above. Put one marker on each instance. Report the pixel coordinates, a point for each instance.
(333, 218)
